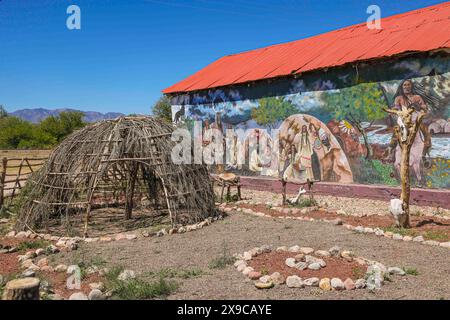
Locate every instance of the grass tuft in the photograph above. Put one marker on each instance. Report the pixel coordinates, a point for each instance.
(138, 289)
(411, 271)
(223, 260)
(306, 203)
(36, 244)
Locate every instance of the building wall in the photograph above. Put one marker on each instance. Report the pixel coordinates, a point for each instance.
(331, 122)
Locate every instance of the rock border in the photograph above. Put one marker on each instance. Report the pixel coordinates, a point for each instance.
(69, 242)
(375, 275)
(358, 229)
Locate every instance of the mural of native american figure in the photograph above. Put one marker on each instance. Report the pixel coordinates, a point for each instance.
(408, 97)
(310, 151)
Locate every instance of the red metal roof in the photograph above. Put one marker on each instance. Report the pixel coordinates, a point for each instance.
(419, 30)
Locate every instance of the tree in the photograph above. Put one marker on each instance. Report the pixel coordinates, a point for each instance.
(13, 132)
(361, 103)
(162, 109)
(272, 111)
(406, 136)
(3, 112)
(62, 125)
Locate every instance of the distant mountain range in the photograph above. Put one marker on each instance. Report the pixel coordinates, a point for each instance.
(39, 114)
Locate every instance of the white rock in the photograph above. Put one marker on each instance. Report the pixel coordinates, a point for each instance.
(397, 271)
(311, 282)
(39, 252)
(277, 278)
(294, 249)
(335, 251)
(445, 244)
(378, 232)
(314, 266)
(431, 243)
(337, 284)
(265, 279)
(360, 283)
(294, 282)
(374, 282)
(126, 275)
(281, 249)
(322, 253)
(96, 294)
(301, 265)
(418, 239)
(11, 234)
(306, 250)
(397, 236)
(97, 285)
(247, 270)
(238, 262)
(241, 267)
(61, 268)
(78, 296)
(290, 262)
(247, 256)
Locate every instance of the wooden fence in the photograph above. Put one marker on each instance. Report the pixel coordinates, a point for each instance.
(13, 175)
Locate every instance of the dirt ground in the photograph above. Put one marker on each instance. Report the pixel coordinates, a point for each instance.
(239, 232)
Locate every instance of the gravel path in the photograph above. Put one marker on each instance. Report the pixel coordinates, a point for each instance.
(240, 232)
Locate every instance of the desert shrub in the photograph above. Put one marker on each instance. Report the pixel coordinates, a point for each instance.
(223, 260)
(138, 289)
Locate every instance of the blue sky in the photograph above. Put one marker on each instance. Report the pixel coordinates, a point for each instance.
(128, 51)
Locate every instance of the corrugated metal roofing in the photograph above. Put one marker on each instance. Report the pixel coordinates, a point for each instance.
(419, 30)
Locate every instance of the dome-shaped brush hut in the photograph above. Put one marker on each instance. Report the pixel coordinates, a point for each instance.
(122, 163)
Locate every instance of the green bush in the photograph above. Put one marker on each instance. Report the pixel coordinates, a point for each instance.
(21, 134)
(138, 289)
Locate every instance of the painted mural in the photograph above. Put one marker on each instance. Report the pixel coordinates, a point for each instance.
(332, 126)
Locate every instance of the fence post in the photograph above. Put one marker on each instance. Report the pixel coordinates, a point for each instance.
(2, 181)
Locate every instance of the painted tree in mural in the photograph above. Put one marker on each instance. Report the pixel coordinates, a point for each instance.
(357, 104)
(272, 111)
(405, 133)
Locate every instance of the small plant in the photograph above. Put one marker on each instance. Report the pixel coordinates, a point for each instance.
(172, 273)
(435, 235)
(192, 273)
(358, 273)
(138, 289)
(387, 278)
(223, 260)
(411, 271)
(401, 231)
(29, 245)
(4, 213)
(264, 271)
(306, 203)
